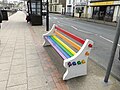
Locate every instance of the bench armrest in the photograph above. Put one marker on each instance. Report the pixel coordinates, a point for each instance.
(77, 65)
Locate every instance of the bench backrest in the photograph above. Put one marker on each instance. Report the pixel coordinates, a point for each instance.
(64, 39)
(80, 40)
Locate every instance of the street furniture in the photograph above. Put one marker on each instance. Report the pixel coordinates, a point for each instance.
(75, 61)
(35, 12)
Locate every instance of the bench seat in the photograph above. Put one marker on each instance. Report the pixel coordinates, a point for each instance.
(60, 51)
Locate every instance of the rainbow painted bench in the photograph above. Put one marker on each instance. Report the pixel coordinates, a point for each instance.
(74, 62)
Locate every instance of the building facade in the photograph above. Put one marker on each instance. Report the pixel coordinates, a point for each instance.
(57, 6)
(108, 10)
(75, 7)
(80, 6)
(69, 7)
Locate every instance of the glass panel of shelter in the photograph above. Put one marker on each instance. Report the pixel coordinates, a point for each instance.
(36, 8)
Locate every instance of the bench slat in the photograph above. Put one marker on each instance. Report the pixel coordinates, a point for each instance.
(76, 46)
(64, 45)
(80, 40)
(65, 50)
(57, 48)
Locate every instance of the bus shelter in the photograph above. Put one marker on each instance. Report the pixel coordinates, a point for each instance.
(35, 12)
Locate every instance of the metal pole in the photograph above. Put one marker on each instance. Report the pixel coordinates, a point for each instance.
(47, 17)
(73, 11)
(113, 52)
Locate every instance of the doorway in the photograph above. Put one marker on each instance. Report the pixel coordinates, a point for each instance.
(102, 12)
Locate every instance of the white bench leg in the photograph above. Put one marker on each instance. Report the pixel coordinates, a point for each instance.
(46, 43)
(51, 32)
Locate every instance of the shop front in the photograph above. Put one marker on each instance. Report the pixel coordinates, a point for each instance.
(80, 9)
(105, 10)
(103, 13)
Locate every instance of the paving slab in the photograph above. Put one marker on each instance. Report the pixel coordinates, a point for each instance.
(17, 79)
(18, 87)
(3, 85)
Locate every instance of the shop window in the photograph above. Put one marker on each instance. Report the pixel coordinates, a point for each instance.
(77, 9)
(36, 9)
(55, 8)
(33, 6)
(109, 13)
(69, 8)
(69, 1)
(96, 12)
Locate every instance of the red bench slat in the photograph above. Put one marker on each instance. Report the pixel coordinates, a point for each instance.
(70, 35)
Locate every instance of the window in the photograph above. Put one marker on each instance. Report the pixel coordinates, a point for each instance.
(69, 1)
(96, 12)
(55, 8)
(33, 6)
(109, 13)
(55, 1)
(36, 8)
(77, 9)
(69, 9)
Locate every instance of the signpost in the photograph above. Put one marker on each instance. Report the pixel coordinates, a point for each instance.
(113, 52)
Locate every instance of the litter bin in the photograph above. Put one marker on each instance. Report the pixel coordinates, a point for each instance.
(5, 15)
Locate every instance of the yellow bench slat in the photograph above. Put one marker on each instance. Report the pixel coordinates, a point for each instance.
(64, 45)
(68, 40)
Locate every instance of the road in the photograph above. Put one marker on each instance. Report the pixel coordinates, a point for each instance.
(102, 35)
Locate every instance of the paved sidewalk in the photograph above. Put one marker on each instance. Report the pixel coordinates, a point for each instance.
(26, 65)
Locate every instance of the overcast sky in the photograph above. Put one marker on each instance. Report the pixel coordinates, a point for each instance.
(12, 0)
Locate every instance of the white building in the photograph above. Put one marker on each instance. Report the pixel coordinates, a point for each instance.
(108, 10)
(69, 7)
(73, 7)
(57, 6)
(80, 6)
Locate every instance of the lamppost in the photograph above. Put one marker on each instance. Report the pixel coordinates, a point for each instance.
(47, 16)
(73, 8)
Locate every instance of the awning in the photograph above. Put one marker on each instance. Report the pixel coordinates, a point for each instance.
(102, 3)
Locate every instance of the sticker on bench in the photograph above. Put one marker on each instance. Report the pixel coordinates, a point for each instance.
(76, 63)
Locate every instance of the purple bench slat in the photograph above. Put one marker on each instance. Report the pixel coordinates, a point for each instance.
(62, 55)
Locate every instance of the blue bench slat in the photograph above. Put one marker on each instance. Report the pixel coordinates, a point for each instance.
(63, 54)
(60, 49)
